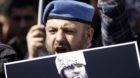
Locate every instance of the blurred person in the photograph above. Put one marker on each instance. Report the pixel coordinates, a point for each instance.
(7, 54)
(4, 20)
(67, 27)
(133, 8)
(115, 22)
(96, 23)
(71, 65)
(22, 15)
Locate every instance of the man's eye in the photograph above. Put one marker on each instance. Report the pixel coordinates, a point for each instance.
(52, 31)
(69, 31)
(79, 65)
(70, 67)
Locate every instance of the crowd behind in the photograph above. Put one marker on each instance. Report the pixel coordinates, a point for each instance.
(17, 17)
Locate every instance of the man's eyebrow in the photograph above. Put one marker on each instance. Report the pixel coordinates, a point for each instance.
(78, 64)
(68, 28)
(69, 25)
(50, 26)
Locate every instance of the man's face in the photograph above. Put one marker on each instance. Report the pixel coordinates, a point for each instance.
(75, 71)
(4, 26)
(22, 19)
(63, 36)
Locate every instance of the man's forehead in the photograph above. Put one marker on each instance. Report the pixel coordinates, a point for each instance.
(64, 23)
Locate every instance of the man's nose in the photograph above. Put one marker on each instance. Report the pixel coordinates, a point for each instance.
(60, 36)
(22, 23)
(76, 70)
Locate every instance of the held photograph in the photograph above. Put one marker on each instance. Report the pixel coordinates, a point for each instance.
(116, 61)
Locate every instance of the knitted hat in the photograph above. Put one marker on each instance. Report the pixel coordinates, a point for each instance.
(69, 10)
(67, 59)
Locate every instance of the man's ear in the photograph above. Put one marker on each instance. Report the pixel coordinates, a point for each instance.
(89, 34)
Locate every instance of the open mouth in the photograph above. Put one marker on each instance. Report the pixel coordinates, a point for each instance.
(60, 50)
(77, 77)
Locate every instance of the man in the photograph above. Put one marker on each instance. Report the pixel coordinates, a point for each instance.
(67, 28)
(71, 65)
(22, 14)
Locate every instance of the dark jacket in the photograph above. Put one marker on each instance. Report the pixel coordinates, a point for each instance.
(7, 54)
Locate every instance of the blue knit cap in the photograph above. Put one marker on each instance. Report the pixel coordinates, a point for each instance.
(69, 10)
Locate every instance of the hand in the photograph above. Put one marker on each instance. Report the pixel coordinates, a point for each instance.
(35, 40)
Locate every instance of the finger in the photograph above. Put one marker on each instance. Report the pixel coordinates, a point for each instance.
(37, 27)
(32, 40)
(40, 39)
(36, 43)
(38, 33)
